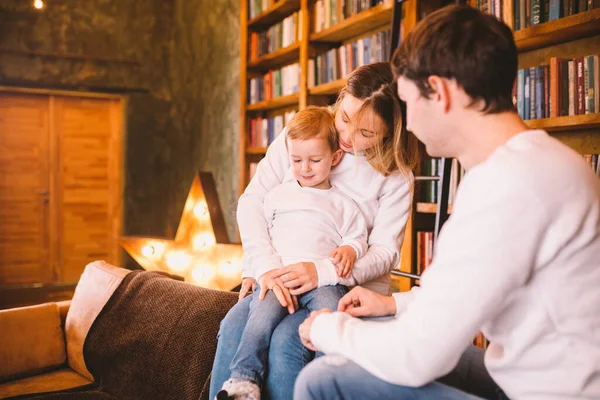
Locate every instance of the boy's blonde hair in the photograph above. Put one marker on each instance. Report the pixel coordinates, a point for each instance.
(313, 123)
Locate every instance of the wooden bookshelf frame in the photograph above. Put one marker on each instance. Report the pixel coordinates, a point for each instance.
(328, 88)
(279, 11)
(566, 123)
(277, 102)
(276, 59)
(558, 31)
(356, 25)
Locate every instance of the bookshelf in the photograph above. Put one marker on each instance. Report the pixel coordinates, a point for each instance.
(309, 45)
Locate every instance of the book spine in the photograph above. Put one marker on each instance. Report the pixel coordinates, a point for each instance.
(539, 92)
(520, 94)
(536, 12)
(580, 87)
(532, 86)
(526, 94)
(591, 78)
(554, 98)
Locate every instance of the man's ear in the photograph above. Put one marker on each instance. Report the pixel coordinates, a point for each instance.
(441, 91)
(337, 157)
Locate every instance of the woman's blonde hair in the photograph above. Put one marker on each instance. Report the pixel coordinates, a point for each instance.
(375, 85)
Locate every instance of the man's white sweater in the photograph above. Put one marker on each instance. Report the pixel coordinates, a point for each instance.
(519, 259)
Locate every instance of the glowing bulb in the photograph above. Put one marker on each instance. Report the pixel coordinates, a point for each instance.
(228, 267)
(148, 250)
(178, 261)
(198, 273)
(159, 249)
(209, 272)
(200, 210)
(38, 4)
(203, 240)
(203, 272)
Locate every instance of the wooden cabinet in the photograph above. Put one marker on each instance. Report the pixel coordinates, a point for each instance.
(60, 186)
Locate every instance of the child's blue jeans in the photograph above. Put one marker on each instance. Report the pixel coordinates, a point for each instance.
(251, 356)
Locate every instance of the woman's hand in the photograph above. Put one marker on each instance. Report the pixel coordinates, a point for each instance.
(299, 278)
(247, 283)
(304, 328)
(361, 302)
(271, 281)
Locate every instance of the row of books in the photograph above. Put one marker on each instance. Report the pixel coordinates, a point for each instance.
(338, 63)
(278, 36)
(327, 13)
(593, 162)
(527, 13)
(565, 87)
(282, 82)
(264, 130)
(257, 7)
(428, 189)
(424, 253)
(533, 12)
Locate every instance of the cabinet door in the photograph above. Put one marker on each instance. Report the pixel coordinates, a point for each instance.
(87, 186)
(24, 236)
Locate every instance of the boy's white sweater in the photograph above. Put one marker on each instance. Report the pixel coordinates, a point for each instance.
(306, 224)
(519, 259)
(384, 202)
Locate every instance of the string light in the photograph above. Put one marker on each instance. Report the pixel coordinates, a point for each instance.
(38, 4)
(148, 250)
(200, 210)
(194, 253)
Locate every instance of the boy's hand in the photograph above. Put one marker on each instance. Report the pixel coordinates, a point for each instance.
(247, 284)
(343, 257)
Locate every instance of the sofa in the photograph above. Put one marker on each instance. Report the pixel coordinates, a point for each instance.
(125, 334)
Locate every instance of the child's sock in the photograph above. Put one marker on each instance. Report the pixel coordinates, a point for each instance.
(239, 389)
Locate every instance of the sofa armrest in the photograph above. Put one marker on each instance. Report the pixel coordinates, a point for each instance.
(63, 309)
(32, 340)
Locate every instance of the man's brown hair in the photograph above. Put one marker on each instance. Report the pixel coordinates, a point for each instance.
(314, 123)
(461, 43)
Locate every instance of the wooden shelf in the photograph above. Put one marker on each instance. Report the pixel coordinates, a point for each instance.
(558, 31)
(278, 102)
(430, 208)
(256, 150)
(574, 122)
(278, 12)
(356, 25)
(329, 88)
(276, 59)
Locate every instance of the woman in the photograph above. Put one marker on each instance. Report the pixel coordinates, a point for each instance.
(375, 172)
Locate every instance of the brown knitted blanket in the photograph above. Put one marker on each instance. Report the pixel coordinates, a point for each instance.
(154, 339)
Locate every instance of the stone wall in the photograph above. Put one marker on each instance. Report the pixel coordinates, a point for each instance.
(177, 63)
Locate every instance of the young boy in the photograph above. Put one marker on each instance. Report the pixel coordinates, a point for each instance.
(308, 220)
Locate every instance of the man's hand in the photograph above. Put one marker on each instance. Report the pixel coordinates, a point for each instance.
(247, 283)
(343, 258)
(299, 278)
(269, 282)
(361, 302)
(304, 328)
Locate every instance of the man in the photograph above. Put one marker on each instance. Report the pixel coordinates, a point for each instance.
(519, 258)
